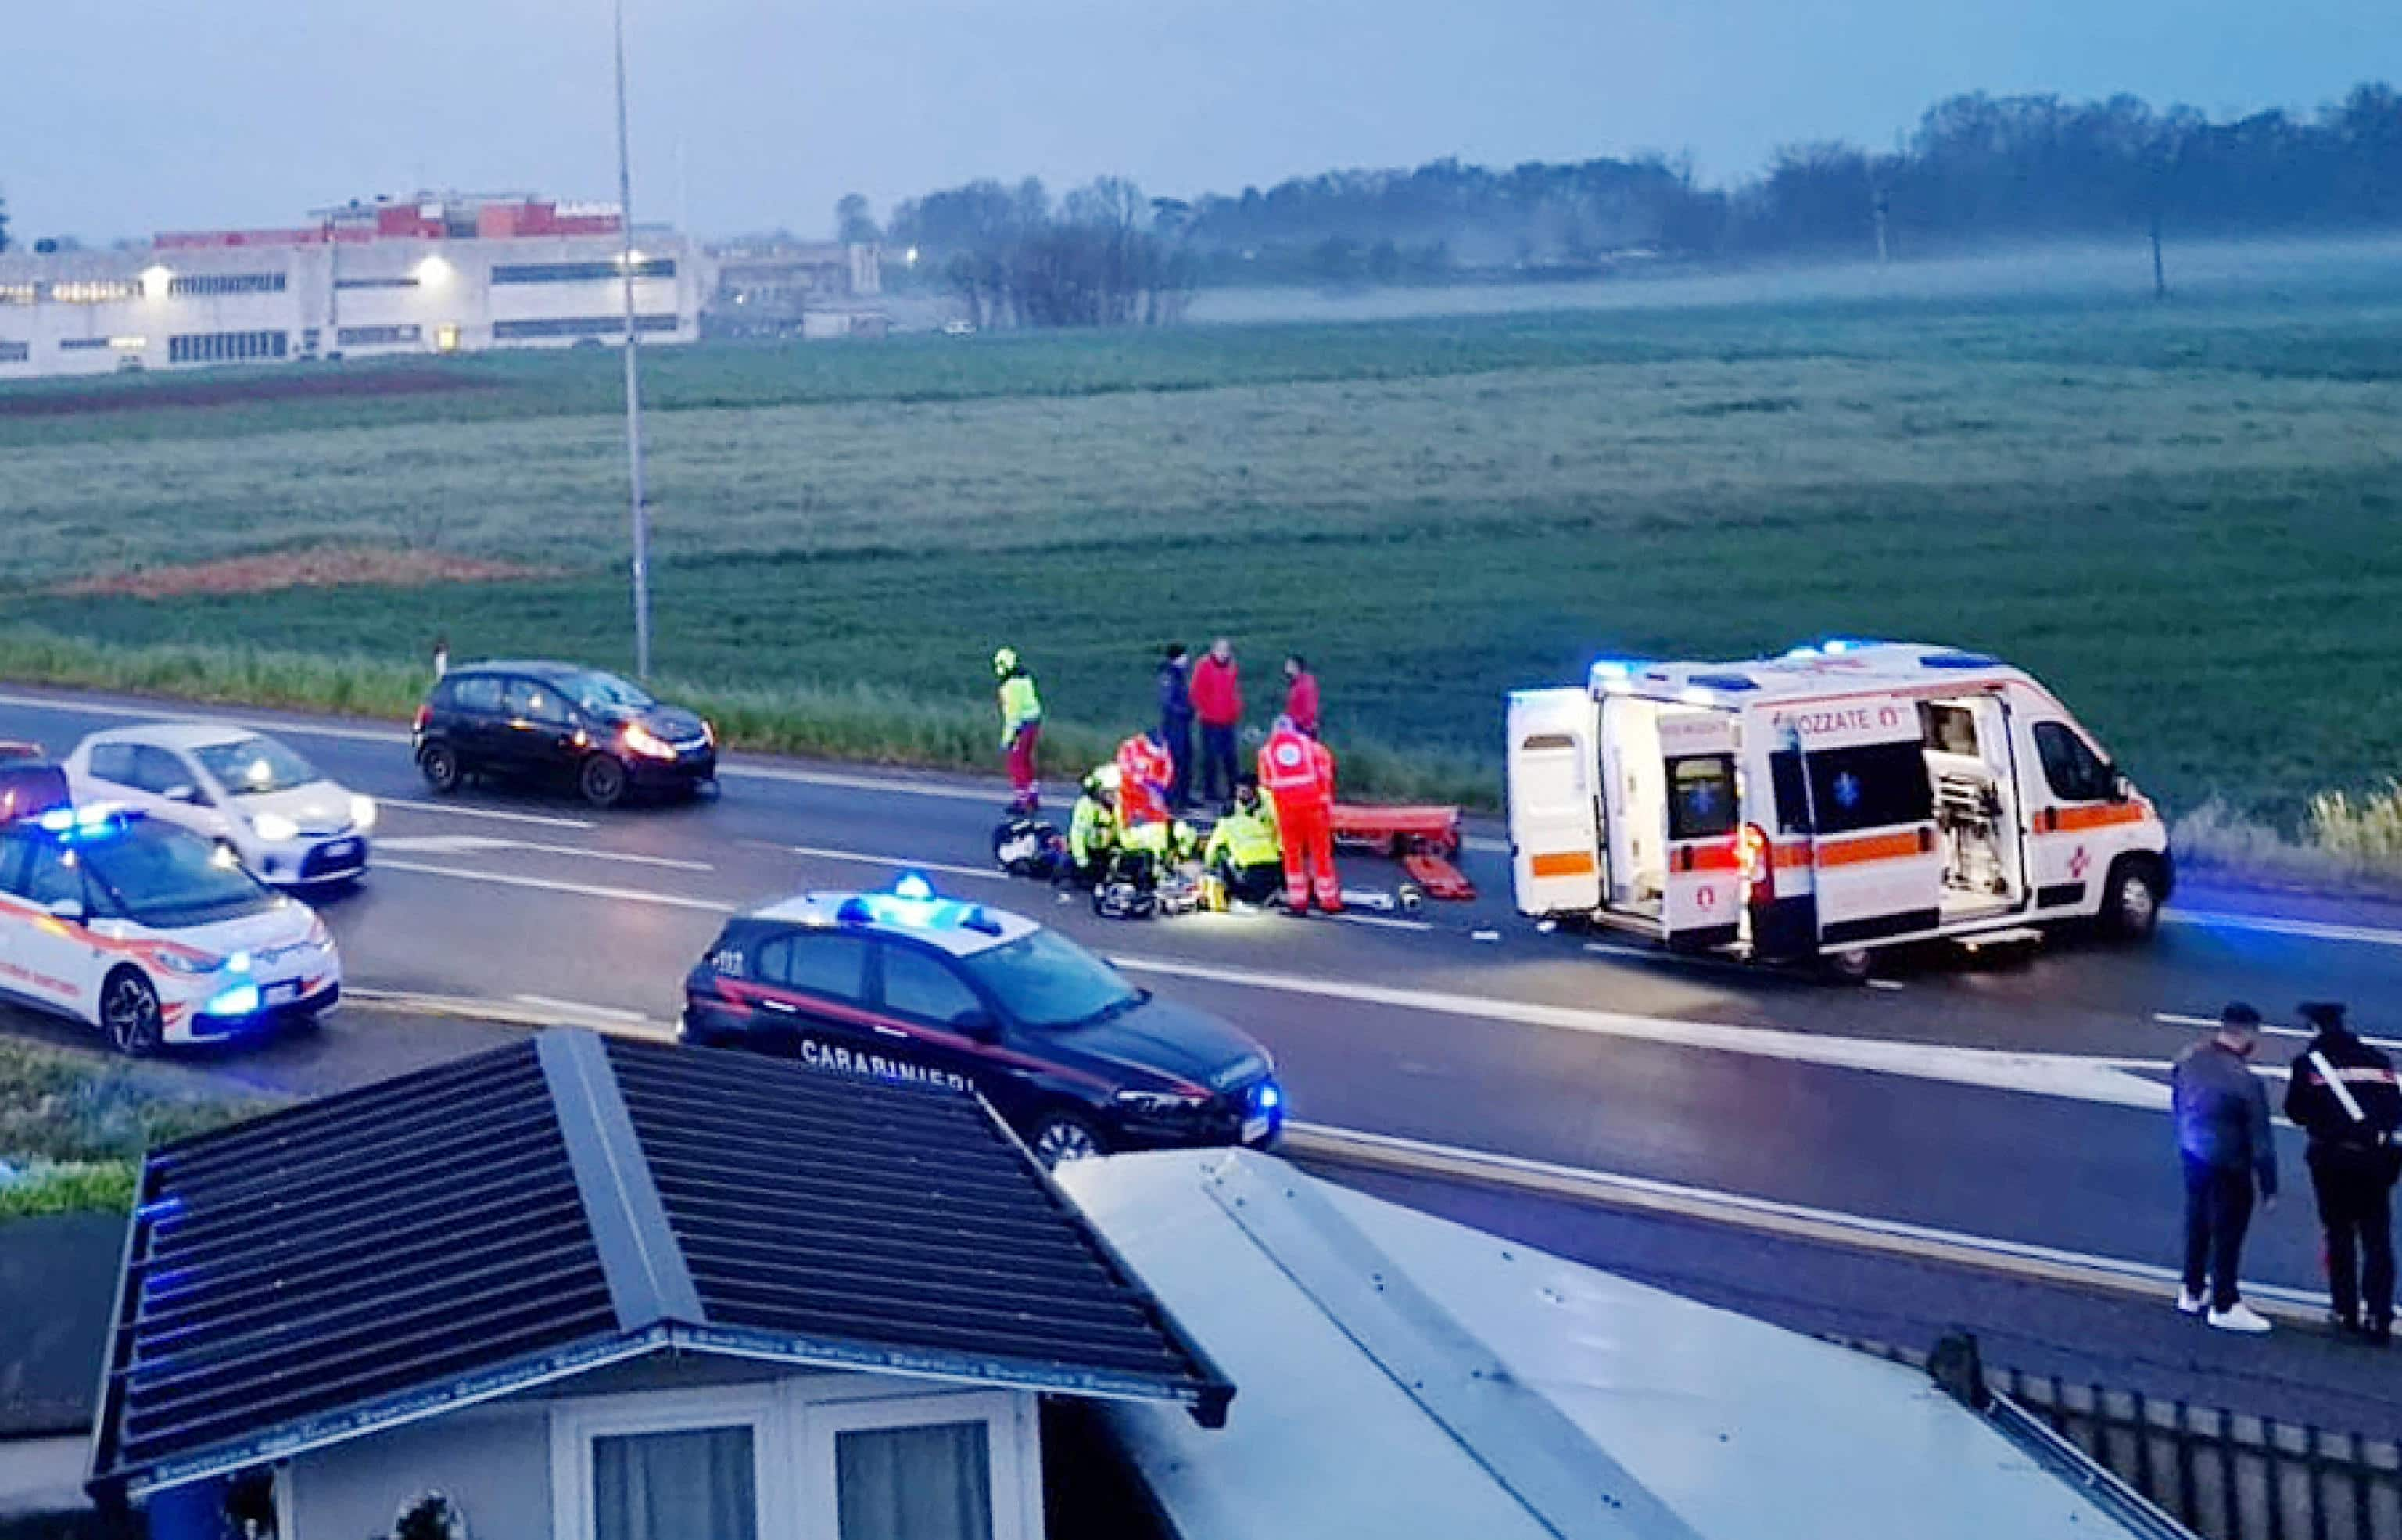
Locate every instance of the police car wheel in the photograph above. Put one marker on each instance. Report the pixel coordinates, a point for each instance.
(128, 1013)
(1062, 1136)
(602, 780)
(2130, 905)
(439, 763)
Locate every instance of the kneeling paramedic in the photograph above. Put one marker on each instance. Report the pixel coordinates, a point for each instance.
(1297, 771)
(1244, 853)
(1093, 828)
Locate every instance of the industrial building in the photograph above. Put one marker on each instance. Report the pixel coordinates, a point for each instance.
(430, 274)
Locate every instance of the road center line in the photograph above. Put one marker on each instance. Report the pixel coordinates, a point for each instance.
(465, 844)
(454, 810)
(2277, 925)
(2108, 1081)
(2210, 1024)
(896, 863)
(547, 885)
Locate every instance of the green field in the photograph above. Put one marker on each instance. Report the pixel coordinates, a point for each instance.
(2182, 516)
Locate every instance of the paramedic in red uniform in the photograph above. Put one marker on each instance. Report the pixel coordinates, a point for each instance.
(1146, 774)
(1297, 771)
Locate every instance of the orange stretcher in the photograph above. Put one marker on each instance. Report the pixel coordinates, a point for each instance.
(1426, 840)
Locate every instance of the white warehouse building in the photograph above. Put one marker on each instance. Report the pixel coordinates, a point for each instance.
(425, 275)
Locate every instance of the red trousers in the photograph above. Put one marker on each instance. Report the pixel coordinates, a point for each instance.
(1306, 829)
(1021, 762)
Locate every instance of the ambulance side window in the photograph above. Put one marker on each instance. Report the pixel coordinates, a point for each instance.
(1551, 777)
(2073, 770)
(1700, 796)
(1791, 791)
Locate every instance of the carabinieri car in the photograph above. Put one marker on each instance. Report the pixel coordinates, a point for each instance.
(909, 985)
(152, 933)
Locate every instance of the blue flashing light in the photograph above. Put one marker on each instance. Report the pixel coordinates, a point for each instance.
(72, 822)
(1612, 668)
(1270, 1098)
(1805, 651)
(914, 885)
(240, 1000)
(1959, 660)
(1837, 646)
(160, 1208)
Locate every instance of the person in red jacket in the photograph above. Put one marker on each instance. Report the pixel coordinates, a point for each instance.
(1301, 695)
(1217, 701)
(1298, 772)
(1146, 776)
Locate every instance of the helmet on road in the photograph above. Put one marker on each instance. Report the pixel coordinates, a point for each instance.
(1005, 661)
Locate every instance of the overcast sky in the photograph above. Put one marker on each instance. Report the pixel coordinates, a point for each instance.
(123, 116)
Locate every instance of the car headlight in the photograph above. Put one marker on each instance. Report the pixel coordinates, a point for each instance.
(274, 827)
(1162, 1101)
(319, 937)
(363, 812)
(188, 962)
(639, 739)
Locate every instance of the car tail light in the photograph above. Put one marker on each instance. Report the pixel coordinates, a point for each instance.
(1755, 860)
(424, 715)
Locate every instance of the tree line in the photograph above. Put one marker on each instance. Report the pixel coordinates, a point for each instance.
(1977, 170)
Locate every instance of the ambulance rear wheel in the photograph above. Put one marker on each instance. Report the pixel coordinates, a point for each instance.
(2131, 899)
(1853, 965)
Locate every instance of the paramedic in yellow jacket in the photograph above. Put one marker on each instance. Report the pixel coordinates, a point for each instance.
(1244, 853)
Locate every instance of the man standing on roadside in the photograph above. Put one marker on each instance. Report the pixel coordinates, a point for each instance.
(2343, 1095)
(1176, 720)
(1217, 701)
(2222, 1127)
(1301, 695)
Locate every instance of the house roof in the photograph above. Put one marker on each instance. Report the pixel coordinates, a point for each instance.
(527, 1215)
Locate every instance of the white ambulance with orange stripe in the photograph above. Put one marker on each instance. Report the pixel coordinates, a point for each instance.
(1844, 797)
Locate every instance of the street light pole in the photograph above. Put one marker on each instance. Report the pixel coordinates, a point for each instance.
(633, 373)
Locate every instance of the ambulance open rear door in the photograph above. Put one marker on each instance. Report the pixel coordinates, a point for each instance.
(1876, 863)
(1702, 903)
(1555, 810)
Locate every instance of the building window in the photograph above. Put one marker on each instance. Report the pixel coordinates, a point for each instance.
(99, 291)
(587, 325)
(932, 1482)
(403, 282)
(697, 1482)
(195, 285)
(17, 293)
(375, 337)
(228, 347)
(81, 344)
(579, 273)
(15, 353)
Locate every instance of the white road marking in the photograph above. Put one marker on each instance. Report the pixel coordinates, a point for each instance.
(546, 884)
(609, 1012)
(2170, 1018)
(512, 1014)
(1921, 1242)
(2276, 924)
(995, 796)
(1382, 922)
(1485, 842)
(171, 710)
(896, 863)
(2068, 1076)
(454, 810)
(463, 845)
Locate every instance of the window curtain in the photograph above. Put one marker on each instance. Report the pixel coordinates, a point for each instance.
(914, 1483)
(674, 1486)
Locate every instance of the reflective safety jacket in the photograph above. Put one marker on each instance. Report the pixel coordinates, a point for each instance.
(1020, 707)
(1244, 839)
(1296, 769)
(1092, 831)
(1170, 839)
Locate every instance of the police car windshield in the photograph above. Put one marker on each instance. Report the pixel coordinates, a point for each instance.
(161, 876)
(253, 767)
(1044, 980)
(603, 695)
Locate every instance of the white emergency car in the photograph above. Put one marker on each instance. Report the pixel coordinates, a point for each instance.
(152, 933)
(1840, 798)
(289, 824)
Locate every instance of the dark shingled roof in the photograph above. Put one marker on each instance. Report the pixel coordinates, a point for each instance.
(530, 1213)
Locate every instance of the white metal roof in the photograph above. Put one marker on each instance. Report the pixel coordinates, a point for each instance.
(960, 928)
(1414, 1379)
(1834, 669)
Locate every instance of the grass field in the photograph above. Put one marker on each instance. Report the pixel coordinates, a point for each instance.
(2184, 516)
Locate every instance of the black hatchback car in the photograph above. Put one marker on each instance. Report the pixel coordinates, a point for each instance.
(559, 723)
(907, 985)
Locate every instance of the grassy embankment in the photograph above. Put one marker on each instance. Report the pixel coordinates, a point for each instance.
(74, 1127)
(2183, 517)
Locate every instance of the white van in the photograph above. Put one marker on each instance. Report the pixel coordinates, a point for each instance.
(1838, 798)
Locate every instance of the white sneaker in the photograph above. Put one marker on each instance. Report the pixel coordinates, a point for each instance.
(2190, 1302)
(2240, 1317)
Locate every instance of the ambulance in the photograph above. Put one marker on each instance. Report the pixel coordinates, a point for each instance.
(1845, 797)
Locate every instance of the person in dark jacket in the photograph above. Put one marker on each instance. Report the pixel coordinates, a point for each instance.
(2223, 1139)
(2342, 1093)
(1176, 720)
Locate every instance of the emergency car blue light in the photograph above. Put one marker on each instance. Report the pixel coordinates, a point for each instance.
(1838, 646)
(1959, 660)
(1270, 1098)
(160, 1208)
(1805, 651)
(240, 1000)
(1612, 668)
(915, 887)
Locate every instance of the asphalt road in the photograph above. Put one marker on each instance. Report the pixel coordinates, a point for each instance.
(2013, 1099)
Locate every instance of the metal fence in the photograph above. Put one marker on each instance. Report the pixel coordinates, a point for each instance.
(2223, 1475)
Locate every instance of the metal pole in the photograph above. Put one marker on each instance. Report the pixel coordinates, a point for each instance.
(641, 516)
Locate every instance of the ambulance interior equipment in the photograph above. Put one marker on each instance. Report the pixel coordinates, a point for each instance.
(1839, 798)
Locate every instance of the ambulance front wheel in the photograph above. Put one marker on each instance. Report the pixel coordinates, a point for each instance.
(2131, 899)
